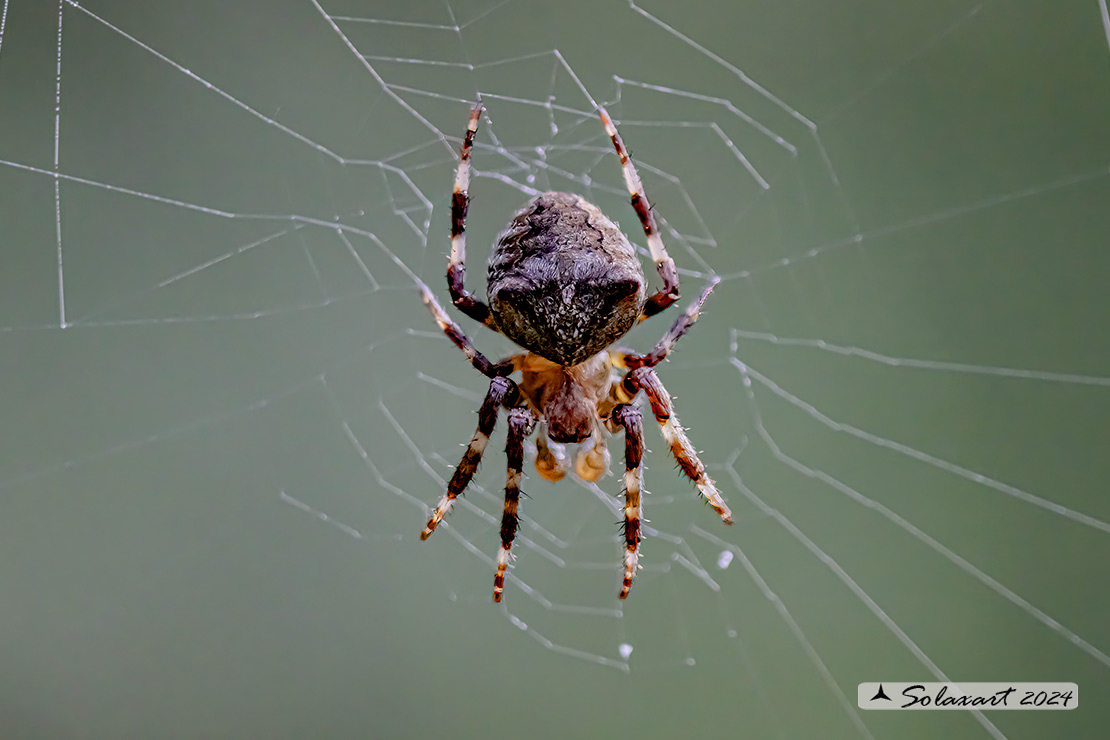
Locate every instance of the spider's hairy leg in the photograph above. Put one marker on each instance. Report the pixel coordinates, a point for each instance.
(664, 346)
(456, 335)
(592, 461)
(630, 419)
(551, 462)
(463, 299)
(521, 423)
(501, 390)
(664, 265)
(645, 379)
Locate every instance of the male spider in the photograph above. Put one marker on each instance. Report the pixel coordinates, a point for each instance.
(565, 284)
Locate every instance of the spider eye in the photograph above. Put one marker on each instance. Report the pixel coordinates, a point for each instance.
(622, 289)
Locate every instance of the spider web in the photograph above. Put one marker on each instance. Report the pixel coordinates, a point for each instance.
(212, 229)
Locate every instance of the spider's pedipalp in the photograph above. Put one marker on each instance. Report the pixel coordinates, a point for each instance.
(630, 419)
(664, 265)
(551, 461)
(463, 299)
(521, 423)
(592, 461)
(645, 379)
(500, 391)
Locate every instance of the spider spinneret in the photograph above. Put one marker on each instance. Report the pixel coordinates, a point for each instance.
(565, 284)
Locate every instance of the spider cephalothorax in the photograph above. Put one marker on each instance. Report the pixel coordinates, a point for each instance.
(564, 283)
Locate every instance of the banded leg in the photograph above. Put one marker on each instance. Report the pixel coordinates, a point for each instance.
(629, 417)
(645, 379)
(664, 346)
(664, 265)
(521, 423)
(500, 390)
(456, 335)
(463, 299)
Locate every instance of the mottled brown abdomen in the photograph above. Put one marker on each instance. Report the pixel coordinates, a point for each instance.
(563, 281)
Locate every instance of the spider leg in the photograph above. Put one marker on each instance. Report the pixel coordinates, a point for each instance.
(681, 325)
(521, 423)
(452, 330)
(501, 390)
(664, 265)
(463, 299)
(630, 419)
(645, 379)
(551, 461)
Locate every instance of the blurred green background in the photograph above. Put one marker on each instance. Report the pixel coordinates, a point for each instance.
(223, 406)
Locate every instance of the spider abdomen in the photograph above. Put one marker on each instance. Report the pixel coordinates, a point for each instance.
(563, 281)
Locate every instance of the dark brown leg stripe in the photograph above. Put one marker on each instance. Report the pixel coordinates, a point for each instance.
(646, 219)
(510, 519)
(658, 302)
(463, 299)
(645, 379)
(487, 419)
(459, 203)
(499, 388)
(619, 147)
(668, 294)
(521, 424)
(631, 420)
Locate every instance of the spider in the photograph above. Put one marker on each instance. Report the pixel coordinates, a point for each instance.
(564, 284)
